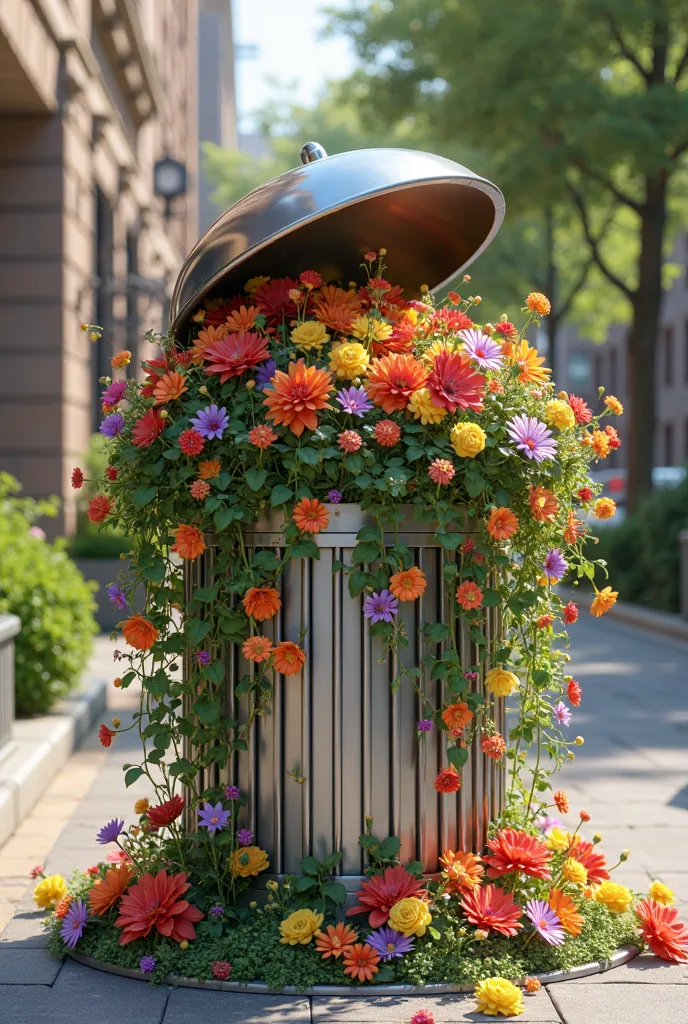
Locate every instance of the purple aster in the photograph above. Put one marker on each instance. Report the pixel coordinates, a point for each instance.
(112, 425)
(562, 714)
(555, 565)
(110, 832)
(532, 437)
(478, 346)
(354, 401)
(334, 496)
(546, 822)
(244, 837)
(213, 818)
(210, 422)
(114, 393)
(147, 964)
(380, 607)
(471, 676)
(232, 793)
(216, 911)
(425, 725)
(390, 944)
(116, 596)
(204, 658)
(265, 372)
(545, 922)
(73, 923)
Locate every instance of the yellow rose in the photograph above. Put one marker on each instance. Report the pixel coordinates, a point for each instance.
(498, 996)
(661, 893)
(420, 404)
(573, 871)
(300, 927)
(500, 682)
(349, 360)
(560, 414)
(248, 861)
(309, 335)
(365, 327)
(558, 839)
(467, 439)
(410, 916)
(616, 898)
(49, 891)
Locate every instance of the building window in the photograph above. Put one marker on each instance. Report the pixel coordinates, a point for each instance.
(668, 356)
(579, 368)
(668, 444)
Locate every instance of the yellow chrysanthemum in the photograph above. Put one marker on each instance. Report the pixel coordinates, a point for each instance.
(661, 893)
(560, 415)
(141, 806)
(604, 508)
(433, 350)
(299, 928)
(420, 404)
(349, 360)
(558, 839)
(367, 328)
(248, 861)
(616, 898)
(604, 600)
(574, 872)
(614, 405)
(49, 891)
(497, 996)
(309, 335)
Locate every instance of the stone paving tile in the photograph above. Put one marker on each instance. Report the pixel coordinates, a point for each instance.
(620, 1004)
(191, 1006)
(25, 931)
(27, 967)
(107, 997)
(450, 1009)
(646, 969)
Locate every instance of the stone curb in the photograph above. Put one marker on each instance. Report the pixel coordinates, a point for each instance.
(39, 747)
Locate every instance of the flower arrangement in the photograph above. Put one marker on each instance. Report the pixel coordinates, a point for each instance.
(298, 395)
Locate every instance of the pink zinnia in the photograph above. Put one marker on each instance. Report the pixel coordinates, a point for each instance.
(441, 471)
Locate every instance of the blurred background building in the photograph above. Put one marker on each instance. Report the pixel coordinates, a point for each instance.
(93, 94)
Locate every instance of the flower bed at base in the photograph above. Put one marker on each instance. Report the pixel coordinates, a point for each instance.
(434, 411)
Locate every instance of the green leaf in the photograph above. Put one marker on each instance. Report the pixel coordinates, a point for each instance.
(155, 572)
(142, 496)
(255, 478)
(310, 866)
(354, 463)
(310, 456)
(206, 593)
(223, 517)
(280, 495)
(196, 630)
(363, 553)
(208, 712)
(182, 767)
(357, 582)
(215, 672)
(414, 453)
(304, 883)
(335, 891)
(492, 599)
(369, 533)
(172, 454)
(305, 548)
(389, 848)
(132, 775)
(475, 481)
(457, 756)
(436, 632)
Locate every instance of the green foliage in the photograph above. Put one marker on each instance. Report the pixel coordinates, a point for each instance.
(40, 584)
(89, 540)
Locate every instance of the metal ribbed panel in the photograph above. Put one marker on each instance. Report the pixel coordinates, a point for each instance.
(339, 725)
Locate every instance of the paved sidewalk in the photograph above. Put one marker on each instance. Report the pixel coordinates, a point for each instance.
(631, 775)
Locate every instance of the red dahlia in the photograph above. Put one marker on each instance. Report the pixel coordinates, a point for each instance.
(454, 384)
(191, 442)
(77, 478)
(450, 321)
(105, 736)
(666, 936)
(273, 298)
(517, 851)
(575, 692)
(580, 409)
(165, 814)
(154, 902)
(99, 508)
(378, 894)
(235, 354)
(492, 910)
(147, 429)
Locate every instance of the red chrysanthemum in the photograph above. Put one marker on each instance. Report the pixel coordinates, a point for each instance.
(570, 613)
(580, 409)
(454, 384)
(297, 396)
(593, 862)
(105, 735)
(517, 851)
(311, 278)
(387, 433)
(77, 478)
(448, 780)
(575, 692)
(507, 330)
(585, 494)
(165, 814)
(191, 442)
(450, 321)
(235, 354)
(378, 894)
(147, 428)
(111, 473)
(274, 299)
(221, 969)
(99, 508)
(393, 379)
(492, 910)
(155, 903)
(666, 936)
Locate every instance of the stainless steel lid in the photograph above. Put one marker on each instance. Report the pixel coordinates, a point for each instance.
(432, 215)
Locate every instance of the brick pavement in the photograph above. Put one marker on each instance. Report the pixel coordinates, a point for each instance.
(631, 775)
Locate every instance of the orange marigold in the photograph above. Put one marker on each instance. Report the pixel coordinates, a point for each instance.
(261, 603)
(256, 649)
(469, 595)
(209, 469)
(393, 379)
(188, 542)
(63, 906)
(543, 504)
(604, 600)
(120, 359)
(561, 800)
(567, 911)
(360, 962)
(297, 396)
(408, 584)
(310, 515)
(139, 632)
(600, 443)
(502, 524)
(262, 436)
(448, 780)
(288, 658)
(493, 746)
(532, 985)
(462, 871)
(169, 387)
(335, 940)
(387, 433)
(106, 891)
(457, 716)
(538, 303)
(514, 851)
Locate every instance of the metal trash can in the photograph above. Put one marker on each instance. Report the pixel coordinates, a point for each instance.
(339, 726)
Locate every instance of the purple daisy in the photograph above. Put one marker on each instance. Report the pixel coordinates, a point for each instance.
(116, 596)
(232, 793)
(213, 818)
(562, 714)
(265, 372)
(390, 944)
(204, 657)
(425, 725)
(112, 425)
(334, 496)
(111, 832)
(479, 347)
(545, 922)
(73, 923)
(216, 911)
(147, 964)
(380, 607)
(114, 393)
(532, 437)
(210, 422)
(244, 837)
(546, 822)
(355, 401)
(555, 565)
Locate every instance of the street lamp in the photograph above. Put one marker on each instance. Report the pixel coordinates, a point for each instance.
(169, 181)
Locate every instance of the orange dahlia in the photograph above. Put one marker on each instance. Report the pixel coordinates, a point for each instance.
(492, 910)
(120, 359)
(575, 528)
(517, 851)
(493, 747)
(169, 387)
(209, 469)
(567, 912)
(454, 384)
(207, 337)
(408, 584)
(502, 523)
(448, 780)
(242, 319)
(529, 363)
(310, 515)
(336, 308)
(360, 961)
(139, 632)
(147, 428)
(261, 603)
(99, 508)
(298, 395)
(288, 658)
(235, 354)
(666, 936)
(155, 903)
(106, 891)
(457, 716)
(604, 600)
(538, 303)
(387, 433)
(462, 871)
(393, 379)
(543, 504)
(262, 436)
(188, 542)
(469, 595)
(335, 940)
(256, 649)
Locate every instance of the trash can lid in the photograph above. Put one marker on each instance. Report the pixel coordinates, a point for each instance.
(433, 216)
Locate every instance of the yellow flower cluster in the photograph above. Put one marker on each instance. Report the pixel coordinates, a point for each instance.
(349, 360)
(560, 414)
(49, 891)
(309, 335)
(421, 405)
(498, 996)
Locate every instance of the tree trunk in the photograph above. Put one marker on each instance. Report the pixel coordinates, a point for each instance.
(642, 341)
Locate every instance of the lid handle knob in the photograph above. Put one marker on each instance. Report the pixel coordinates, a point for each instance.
(312, 151)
